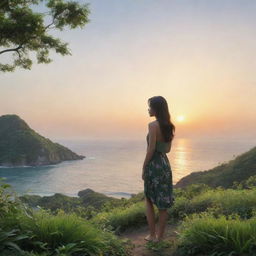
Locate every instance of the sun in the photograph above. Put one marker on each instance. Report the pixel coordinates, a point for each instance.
(180, 118)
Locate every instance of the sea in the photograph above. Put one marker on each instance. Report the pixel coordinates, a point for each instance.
(114, 167)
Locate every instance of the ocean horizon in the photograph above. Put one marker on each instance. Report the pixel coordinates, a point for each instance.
(113, 167)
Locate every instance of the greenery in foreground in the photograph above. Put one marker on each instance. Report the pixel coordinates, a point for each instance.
(25, 231)
(212, 221)
(217, 222)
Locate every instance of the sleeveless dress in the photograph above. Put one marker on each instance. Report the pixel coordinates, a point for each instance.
(158, 186)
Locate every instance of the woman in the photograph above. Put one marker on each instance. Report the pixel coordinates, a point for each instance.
(157, 173)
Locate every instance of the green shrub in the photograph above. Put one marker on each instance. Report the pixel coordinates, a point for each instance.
(202, 233)
(220, 201)
(62, 229)
(25, 232)
(191, 190)
(250, 183)
(120, 219)
(8, 204)
(9, 239)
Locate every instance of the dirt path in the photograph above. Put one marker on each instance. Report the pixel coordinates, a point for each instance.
(145, 248)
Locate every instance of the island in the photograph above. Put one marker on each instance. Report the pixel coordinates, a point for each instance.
(22, 146)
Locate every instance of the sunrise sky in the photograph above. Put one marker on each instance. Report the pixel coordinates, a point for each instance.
(199, 55)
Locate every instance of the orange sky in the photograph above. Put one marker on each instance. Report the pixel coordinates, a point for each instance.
(201, 58)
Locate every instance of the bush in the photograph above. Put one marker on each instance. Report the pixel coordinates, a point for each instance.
(220, 201)
(120, 219)
(229, 235)
(191, 190)
(70, 234)
(25, 232)
(250, 183)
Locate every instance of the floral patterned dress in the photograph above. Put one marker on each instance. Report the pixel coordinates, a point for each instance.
(158, 178)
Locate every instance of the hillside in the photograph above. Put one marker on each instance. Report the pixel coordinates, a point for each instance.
(20, 145)
(86, 198)
(238, 169)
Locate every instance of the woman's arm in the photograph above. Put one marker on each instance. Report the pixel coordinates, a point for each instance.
(152, 143)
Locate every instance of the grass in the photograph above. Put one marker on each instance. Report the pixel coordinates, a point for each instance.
(213, 221)
(28, 232)
(220, 201)
(119, 219)
(203, 233)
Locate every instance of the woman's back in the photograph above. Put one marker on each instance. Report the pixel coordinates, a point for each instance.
(161, 145)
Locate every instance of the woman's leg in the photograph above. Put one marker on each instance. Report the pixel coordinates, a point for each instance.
(163, 216)
(151, 217)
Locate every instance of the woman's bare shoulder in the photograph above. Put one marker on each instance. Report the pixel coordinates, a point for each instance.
(154, 123)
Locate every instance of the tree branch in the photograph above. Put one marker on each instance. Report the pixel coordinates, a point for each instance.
(12, 49)
(48, 26)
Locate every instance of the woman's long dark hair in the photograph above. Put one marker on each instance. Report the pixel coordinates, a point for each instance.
(160, 106)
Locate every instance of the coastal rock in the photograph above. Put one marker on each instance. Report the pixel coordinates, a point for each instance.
(22, 146)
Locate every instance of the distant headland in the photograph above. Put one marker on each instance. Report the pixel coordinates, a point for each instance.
(22, 146)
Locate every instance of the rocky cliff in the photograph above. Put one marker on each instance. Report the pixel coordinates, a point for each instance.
(22, 146)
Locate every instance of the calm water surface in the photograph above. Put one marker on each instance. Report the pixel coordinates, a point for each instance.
(114, 167)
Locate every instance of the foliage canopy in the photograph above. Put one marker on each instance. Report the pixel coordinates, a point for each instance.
(23, 29)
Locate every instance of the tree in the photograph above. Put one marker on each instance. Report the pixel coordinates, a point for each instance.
(23, 30)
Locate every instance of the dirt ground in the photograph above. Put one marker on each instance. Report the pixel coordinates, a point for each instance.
(141, 247)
